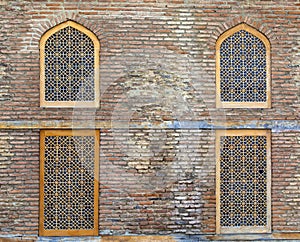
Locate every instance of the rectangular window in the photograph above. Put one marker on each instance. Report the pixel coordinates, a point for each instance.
(243, 181)
(69, 171)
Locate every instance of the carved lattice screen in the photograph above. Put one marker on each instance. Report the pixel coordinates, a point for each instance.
(243, 181)
(69, 186)
(69, 66)
(243, 68)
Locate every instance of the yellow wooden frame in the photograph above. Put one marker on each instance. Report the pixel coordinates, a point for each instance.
(246, 229)
(225, 35)
(43, 134)
(44, 38)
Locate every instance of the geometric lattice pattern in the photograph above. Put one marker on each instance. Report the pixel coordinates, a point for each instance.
(69, 66)
(69, 182)
(243, 68)
(243, 181)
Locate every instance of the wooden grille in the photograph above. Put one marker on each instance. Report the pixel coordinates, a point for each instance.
(243, 175)
(69, 71)
(243, 68)
(69, 62)
(69, 186)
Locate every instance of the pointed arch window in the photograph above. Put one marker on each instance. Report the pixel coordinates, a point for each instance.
(69, 63)
(243, 69)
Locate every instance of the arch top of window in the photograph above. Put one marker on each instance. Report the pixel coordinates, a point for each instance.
(93, 66)
(267, 47)
(73, 24)
(246, 27)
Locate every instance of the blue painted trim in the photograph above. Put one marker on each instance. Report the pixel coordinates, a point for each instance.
(70, 239)
(275, 126)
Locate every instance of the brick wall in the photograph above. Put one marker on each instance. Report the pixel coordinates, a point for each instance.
(157, 67)
(286, 181)
(165, 181)
(167, 36)
(150, 180)
(19, 181)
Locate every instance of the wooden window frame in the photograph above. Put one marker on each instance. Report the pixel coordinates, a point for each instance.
(246, 229)
(224, 36)
(62, 104)
(95, 134)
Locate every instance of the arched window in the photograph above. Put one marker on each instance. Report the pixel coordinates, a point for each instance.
(243, 69)
(69, 62)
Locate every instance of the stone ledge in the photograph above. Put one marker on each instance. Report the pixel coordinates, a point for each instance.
(255, 237)
(287, 236)
(274, 125)
(149, 238)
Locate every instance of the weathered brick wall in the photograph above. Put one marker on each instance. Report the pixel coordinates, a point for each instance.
(19, 181)
(286, 181)
(157, 65)
(157, 181)
(173, 37)
(150, 180)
